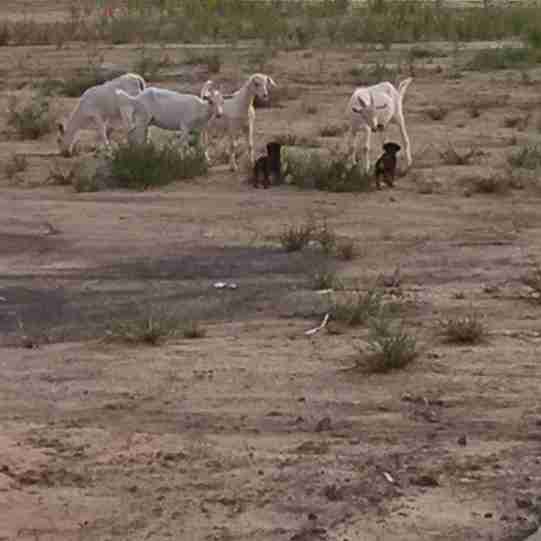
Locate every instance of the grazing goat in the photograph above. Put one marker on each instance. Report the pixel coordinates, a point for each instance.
(268, 165)
(98, 106)
(370, 109)
(386, 165)
(239, 112)
(169, 110)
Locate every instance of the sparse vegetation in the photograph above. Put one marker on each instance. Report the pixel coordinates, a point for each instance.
(493, 184)
(467, 329)
(392, 348)
(345, 250)
(326, 238)
(502, 58)
(333, 130)
(311, 169)
(82, 79)
(451, 156)
(527, 157)
(533, 280)
(149, 67)
(518, 122)
(211, 60)
(31, 120)
(150, 328)
(146, 165)
(193, 329)
(325, 278)
(357, 308)
(297, 237)
(17, 163)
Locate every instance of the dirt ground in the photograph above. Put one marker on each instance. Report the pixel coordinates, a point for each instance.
(257, 431)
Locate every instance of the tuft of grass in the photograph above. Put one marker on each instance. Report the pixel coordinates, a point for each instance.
(358, 308)
(296, 237)
(326, 238)
(392, 348)
(32, 120)
(495, 184)
(325, 278)
(59, 176)
(519, 122)
(17, 163)
(527, 157)
(146, 165)
(193, 329)
(437, 113)
(451, 156)
(150, 328)
(467, 329)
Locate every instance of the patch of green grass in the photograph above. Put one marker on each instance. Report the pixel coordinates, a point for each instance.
(193, 329)
(527, 157)
(81, 80)
(392, 348)
(502, 58)
(358, 308)
(147, 165)
(31, 120)
(310, 169)
(150, 328)
(467, 329)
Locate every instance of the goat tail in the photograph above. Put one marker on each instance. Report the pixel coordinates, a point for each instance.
(403, 86)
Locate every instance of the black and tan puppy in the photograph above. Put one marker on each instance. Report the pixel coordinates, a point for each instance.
(269, 166)
(386, 165)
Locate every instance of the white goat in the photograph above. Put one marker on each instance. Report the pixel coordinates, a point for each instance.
(239, 112)
(168, 110)
(370, 109)
(97, 106)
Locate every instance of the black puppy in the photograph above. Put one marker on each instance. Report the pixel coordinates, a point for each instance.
(268, 165)
(386, 165)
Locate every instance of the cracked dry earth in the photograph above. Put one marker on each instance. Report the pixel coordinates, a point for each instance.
(256, 431)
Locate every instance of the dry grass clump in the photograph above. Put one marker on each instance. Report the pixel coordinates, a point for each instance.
(467, 329)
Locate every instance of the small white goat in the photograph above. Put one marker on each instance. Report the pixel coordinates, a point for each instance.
(168, 110)
(370, 109)
(98, 105)
(239, 112)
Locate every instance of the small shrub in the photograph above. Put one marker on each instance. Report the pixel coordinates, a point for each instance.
(527, 157)
(81, 80)
(358, 308)
(333, 130)
(501, 58)
(142, 166)
(345, 250)
(519, 122)
(451, 156)
(149, 67)
(533, 281)
(309, 108)
(148, 329)
(437, 113)
(17, 163)
(391, 347)
(310, 169)
(57, 175)
(325, 278)
(193, 329)
(30, 121)
(468, 329)
(494, 184)
(295, 238)
(212, 61)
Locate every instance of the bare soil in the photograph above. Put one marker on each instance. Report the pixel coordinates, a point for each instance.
(226, 437)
